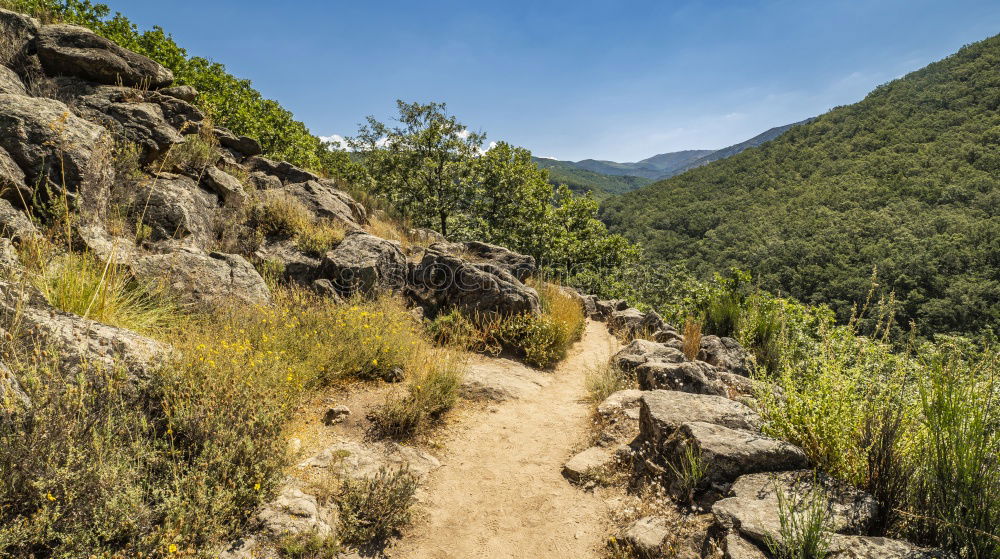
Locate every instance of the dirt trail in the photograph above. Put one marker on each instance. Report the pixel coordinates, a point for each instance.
(500, 493)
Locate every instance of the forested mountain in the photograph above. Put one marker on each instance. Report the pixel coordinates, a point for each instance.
(582, 181)
(655, 167)
(737, 148)
(907, 180)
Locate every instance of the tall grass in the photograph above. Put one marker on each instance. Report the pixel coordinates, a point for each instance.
(604, 380)
(103, 291)
(803, 532)
(429, 394)
(285, 217)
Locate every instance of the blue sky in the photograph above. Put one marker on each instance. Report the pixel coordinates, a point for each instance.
(615, 80)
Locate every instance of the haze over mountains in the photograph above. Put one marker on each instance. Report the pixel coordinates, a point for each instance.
(606, 178)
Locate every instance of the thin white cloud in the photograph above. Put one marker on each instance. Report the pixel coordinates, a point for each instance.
(337, 140)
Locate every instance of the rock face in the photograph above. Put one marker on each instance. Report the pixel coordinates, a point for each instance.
(661, 412)
(647, 536)
(365, 264)
(14, 224)
(518, 265)
(640, 351)
(328, 202)
(70, 50)
(47, 142)
(17, 32)
(10, 83)
(726, 354)
(204, 278)
(128, 115)
(441, 281)
(726, 454)
(862, 547)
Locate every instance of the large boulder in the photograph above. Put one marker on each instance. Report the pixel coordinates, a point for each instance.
(588, 462)
(366, 264)
(440, 281)
(82, 344)
(521, 266)
(243, 145)
(175, 208)
(625, 322)
(204, 278)
(325, 201)
(726, 354)
(226, 186)
(71, 50)
(724, 454)
(282, 170)
(865, 547)
(640, 351)
(753, 509)
(686, 376)
(661, 412)
(52, 146)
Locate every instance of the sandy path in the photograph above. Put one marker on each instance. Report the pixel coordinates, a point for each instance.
(500, 493)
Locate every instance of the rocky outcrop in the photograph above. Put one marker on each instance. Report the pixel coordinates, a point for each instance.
(175, 208)
(17, 35)
(695, 377)
(52, 146)
(10, 83)
(242, 145)
(128, 116)
(203, 278)
(365, 264)
(224, 185)
(295, 512)
(356, 460)
(661, 412)
(70, 50)
(479, 289)
(724, 454)
(639, 352)
(725, 354)
(326, 201)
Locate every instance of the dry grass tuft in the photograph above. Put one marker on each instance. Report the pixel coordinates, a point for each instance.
(692, 338)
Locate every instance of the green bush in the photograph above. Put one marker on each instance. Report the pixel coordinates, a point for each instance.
(429, 395)
(373, 509)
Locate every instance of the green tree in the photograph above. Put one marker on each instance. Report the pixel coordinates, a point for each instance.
(424, 165)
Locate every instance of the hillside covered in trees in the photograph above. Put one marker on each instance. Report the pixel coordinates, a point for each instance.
(905, 180)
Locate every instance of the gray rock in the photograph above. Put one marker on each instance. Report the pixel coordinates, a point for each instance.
(295, 512)
(283, 170)
(499, 380)
(365, 264)
(735, 546)
(640, 351)
(204, 278)
(263, 181)
(10, 263)
(589, 461)
(49, 143)
(70, 50)
(296, 265)
(12, 184)
(590, 306)
(625, 322)
(228, 187)
(426, 236)
(183, 92)
(17, 33)
(727, 454)
(623, 401)
(175, 208)
(243, 145)
(10, 83)
(753, 508)
(14, 224)
(328, 202)
(82, 344)
(864, 547)
(661, 412)
(668, 335)
(336, 414)
(521, 266)
(687, 376)
(129, 116)
(647, 536)
(726, 354)
(442, 281)
(606, 307)
(356, 460)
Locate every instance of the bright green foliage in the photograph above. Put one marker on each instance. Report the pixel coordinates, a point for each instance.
(905, 180)
(232, 102)
(423, 166)
(373, 509)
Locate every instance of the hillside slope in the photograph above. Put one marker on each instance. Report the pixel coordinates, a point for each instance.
(582, 181)
(905, 180)
(735, 149)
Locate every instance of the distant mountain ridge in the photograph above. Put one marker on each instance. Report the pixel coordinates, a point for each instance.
(608, 178)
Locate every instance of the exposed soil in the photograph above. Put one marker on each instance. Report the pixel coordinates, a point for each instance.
(500, 492)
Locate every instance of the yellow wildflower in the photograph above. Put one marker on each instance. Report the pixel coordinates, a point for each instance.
(50, 497)
(172, 548)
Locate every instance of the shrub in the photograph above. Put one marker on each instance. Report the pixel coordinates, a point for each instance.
(309, 546)
(286, 217)
(804, 532)
(429, 394)
(692, 338)
(454, 329)
(542, 340)
(320, 237)
(194, 155)
(373, 509)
